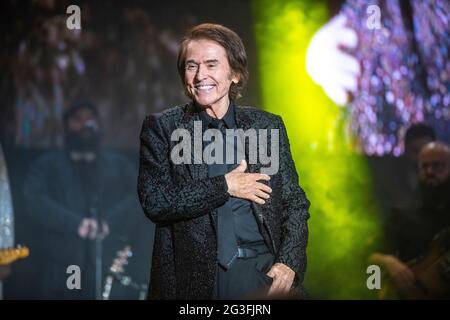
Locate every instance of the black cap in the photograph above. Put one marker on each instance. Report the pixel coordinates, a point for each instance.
(79, 105)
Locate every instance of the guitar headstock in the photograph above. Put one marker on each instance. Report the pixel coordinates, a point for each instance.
(121, 260)
(116, 270)
(9, 255)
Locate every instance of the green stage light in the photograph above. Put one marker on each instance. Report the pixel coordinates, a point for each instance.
(344, 224)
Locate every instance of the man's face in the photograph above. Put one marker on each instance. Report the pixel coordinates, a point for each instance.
(434, 167)
(82, 119)
(208, 75)
(82, 132)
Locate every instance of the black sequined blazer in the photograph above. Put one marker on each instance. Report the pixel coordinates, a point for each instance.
(180, 200)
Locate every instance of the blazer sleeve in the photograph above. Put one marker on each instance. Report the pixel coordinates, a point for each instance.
(162, 200)
(295, 213)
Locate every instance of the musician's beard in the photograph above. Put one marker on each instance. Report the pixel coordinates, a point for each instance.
(82, 141)
(434, 196)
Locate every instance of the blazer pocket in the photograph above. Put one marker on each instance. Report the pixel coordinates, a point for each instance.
(264, 279)
(261, 270)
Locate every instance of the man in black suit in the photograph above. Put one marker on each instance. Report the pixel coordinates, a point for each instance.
(225, 229)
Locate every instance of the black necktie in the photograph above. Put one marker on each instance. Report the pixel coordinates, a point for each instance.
(226, 237)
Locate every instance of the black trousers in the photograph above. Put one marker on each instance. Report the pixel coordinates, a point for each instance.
(245, 279)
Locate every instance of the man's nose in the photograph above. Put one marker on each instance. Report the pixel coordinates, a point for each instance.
(201, 73)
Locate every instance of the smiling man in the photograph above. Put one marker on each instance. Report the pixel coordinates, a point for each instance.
(224, 229)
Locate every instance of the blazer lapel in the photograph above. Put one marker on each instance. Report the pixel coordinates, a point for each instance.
(245, 122)
(197, 170)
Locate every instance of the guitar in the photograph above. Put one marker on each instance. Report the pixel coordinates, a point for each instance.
(116, 270)
(9, 255)
(432, 273)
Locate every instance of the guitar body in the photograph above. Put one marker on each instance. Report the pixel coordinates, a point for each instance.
(431, 273)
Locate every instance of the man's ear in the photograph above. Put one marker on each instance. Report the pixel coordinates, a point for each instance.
(234, 77)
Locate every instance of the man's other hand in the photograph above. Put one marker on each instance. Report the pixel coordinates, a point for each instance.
(283, 277)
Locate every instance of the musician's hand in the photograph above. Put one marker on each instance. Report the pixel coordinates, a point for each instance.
(83, 228)
(246, 186)
(283, 277)
(94, 230)
(89, 229)
(330, 64)
(400, 273)
(105, 231)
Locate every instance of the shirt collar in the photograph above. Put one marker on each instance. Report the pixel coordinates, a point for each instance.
(229, 118)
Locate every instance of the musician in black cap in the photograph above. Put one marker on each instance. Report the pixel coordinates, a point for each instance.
(77, 197)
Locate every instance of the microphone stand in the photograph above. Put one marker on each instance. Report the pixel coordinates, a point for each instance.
(96, 214)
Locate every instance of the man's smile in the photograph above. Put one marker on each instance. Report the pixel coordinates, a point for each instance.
(204, 87)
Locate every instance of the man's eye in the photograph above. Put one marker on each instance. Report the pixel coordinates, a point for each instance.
(211, 65)
(191, 67)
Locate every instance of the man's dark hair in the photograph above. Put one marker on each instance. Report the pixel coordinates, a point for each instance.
(230, 41)
(417, 131)
(77, 106)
